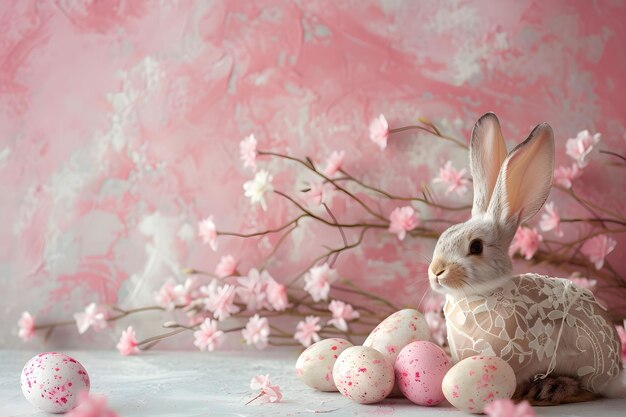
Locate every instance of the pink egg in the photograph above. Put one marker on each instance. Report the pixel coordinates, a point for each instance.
(420, 368)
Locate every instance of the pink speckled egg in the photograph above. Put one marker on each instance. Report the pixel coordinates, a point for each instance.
(315, 365)
(363, 374)
(420, 368)
(52, 382)
(477, 381)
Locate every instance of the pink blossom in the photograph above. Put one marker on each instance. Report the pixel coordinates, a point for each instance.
(221, 302)
(580, 147)
(527, 241)
(253, 289)
(306, 331)
(256, 332)
(166, 296)
(455, 180)
(507, 408)
(564, 176)
(208, 337)
(171, 294)
(402, 220)
(622, 337)
(93, 316)
(186, 292)
(26, 325)
(317, 281)
(333, 163)
(226, 267)
(437, 326)
(128, 342)
(276, 295)
(379, 131)
(317, 193)
(341, 312)
(551, 220)
(587, 283)
(256, 188)
(597, 248)
(208, 233)
(91, 405)
(268, 392)
(247, 151)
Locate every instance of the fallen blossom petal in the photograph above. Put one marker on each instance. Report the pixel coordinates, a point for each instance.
(259, 381)
(268, 393)
(91, 405)
(507, 408)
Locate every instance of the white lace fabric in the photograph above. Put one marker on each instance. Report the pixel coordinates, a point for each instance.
(541, 326)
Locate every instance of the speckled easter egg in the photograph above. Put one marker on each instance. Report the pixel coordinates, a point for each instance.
(315, 365)
(395, 332)
(420, 368)
(52, 382)
(363, 374)
(475, 382)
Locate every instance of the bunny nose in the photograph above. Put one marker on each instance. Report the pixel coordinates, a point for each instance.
(440, 272)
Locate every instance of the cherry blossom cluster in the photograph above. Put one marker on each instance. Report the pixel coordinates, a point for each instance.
(264, 310)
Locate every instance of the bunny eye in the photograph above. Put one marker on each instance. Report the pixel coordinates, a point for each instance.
(476, 247)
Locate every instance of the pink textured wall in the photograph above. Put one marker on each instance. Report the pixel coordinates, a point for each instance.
(120, 123)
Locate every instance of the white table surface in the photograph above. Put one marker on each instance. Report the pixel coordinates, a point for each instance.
(197, 384)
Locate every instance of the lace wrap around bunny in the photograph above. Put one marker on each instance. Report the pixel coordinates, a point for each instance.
(529, 320)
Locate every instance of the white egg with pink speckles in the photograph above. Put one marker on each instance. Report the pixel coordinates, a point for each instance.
(477, 381)
(52, 382)
(315, 365)
(363, 374)
(397, 331)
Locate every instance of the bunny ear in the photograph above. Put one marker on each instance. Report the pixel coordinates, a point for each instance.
(487, 152)
(525, 179)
